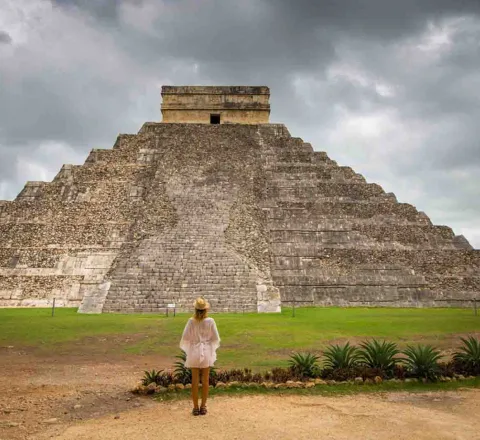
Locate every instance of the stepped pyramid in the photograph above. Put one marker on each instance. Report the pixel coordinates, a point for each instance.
(216, 201)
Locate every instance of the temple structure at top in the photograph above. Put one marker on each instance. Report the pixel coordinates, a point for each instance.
(216, 104)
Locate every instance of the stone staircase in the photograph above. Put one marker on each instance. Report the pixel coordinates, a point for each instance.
(178, 266)
(192, 258)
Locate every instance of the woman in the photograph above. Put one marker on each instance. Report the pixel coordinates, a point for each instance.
(200, 341)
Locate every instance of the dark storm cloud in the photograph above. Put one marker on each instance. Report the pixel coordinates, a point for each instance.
(94, 69)
(57, 107)
(373, 18)
(5, 38)
(101, 9)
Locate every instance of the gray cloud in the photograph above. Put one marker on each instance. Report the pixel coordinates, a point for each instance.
(101, 9)
(385, 87)
(5, 38)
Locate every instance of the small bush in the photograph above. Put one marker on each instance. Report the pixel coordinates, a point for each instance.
(282, 375)
(342, 374)
(304, 365)
(237, 375)
(339, 374)
(447, 369)
(378, 355)
(400, 372)
(467, 357)
(422, 361)
(165, 378)
(150, 377)
(341, 357)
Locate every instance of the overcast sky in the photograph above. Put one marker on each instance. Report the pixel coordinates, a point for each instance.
(388, 87)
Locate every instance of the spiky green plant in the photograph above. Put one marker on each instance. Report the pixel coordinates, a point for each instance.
(376, 354)
(468, 355)
(304, 364)
(150, 376)
(338, 356)
(422, 361)
(181, 373)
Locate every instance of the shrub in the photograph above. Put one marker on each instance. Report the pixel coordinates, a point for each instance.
(447, 369)
(237, 375)
(281, 375)
(165, 378)
(378, 355)
(341, 374)
(304, 365)
(341, 356)
(399, 371)
(422, 361)
(150, 377)
(467, 358)
(181, 373)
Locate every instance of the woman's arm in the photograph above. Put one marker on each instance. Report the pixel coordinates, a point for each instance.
(214, 336)
(186, 336)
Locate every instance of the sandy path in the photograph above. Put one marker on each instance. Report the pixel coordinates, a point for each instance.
(450, 415)
(34, 389)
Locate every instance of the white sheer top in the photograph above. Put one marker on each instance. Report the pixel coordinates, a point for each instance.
(200, 341)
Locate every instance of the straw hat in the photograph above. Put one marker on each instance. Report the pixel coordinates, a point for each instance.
(201, 304)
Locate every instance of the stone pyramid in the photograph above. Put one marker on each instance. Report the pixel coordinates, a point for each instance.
(216, 201)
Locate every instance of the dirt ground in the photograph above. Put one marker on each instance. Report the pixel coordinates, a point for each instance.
(86, 397)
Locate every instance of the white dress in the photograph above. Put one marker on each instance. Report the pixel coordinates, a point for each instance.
(200, 341)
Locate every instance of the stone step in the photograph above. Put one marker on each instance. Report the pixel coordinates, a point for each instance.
(350, 296)
(320, 278)
(311, 250)
(356, 190)
(432, 260)
(401, 233)
(354, 209)
(331, 223)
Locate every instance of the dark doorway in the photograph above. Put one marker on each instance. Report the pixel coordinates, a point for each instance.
(214, 119)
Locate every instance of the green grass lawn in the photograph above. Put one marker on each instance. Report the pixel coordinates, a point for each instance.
(250, 340)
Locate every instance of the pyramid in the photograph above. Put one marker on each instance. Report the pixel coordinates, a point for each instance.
(217, 201)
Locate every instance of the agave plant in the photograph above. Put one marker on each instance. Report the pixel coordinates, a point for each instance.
(337, 356)
(181, 373)
(381, 355)
(150, 377)
(422, 361)
(305, 365)
(468, 355)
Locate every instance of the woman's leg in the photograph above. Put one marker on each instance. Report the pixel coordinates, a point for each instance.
(195, 379)
(205, 385)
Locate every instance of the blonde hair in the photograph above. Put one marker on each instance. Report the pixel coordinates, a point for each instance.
(200, 315)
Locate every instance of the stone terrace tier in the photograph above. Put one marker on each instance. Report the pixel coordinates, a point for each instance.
(245, 215)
